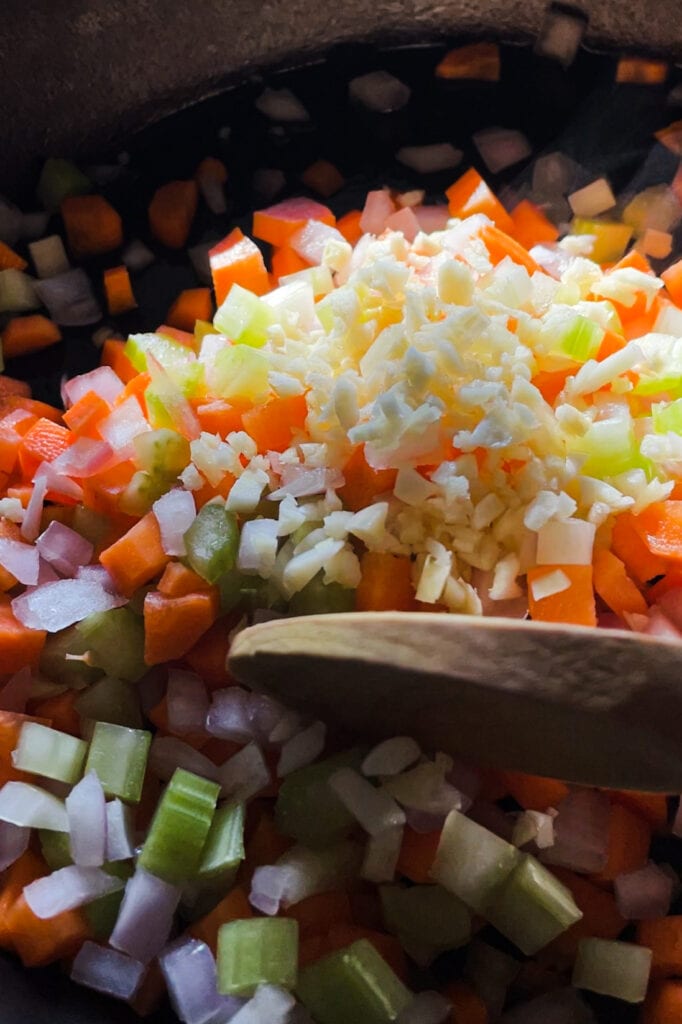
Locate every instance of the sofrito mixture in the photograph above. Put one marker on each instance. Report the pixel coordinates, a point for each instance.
(459, 408)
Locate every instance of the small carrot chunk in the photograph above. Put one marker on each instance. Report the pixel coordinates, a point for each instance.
(417, 854)
(113, 355)
(324, 178)
(614, 586)
(137, 557)
(601, 918)
(171, 212)
(349, 226)
(92, 225)
(386, 583)
(626, 542)
(24, 334)
(470, 194)
(663, 1003)
(478, 62)
(191, 305)
(531, 226)
(232, 907)
(659, 526)
(533, 792)
(118, 290)
(629, 842)
(11, 260)
(574, 605)
(172, 625)
(237, 260)
(501, 245)
(285, 261)
(663, 936)
(363, 483)
(273, 424)
(467, 1005)
(278, 223)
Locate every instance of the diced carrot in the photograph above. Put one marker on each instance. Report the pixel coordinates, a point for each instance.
(626, 542)
(386, 583)
(12, 430)
(501, 245)
(61, 711)
(610, 343)
(172, 211)
(135, 388)
(42, 443)
(659, 526)
(10, 727)
(653, 807)
(672, 278)
(209, 491)
(158, 716)
(191, 305)
(24, 334)
(601, 918)
(92, 225)
(417, 854)
(362, 482)
(39, 942)
(316, 913)
(34, 408)
(102, 491)
(324, 178)
(470, 194)
(137, 557)
(285, 261)
(20, 646)
(349, 226)
(113, 355)
(84, 415)
(467, 1005)
(531, 226)
(178, 579)
(629, 842)
(209, 655)
(237, 260)
(233, 907)
(219, 417)
(172, 625)
(533, 792)
(273, 424)
(614, 586)
(663, 936)
(663, 1003)
(475, 61)
(278, 223)
(641, 71)
(22, 492)
(9, 386)
(118, 290)
(550, 383)
(11, 260)
(8, 531)
(574, 605)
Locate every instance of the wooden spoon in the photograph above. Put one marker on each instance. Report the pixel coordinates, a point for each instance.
(593, 706)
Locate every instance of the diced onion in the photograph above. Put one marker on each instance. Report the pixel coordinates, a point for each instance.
(501, 147)
(381, 855)
(68, 888)
(581, 831)
(302, 749)
(54, 606)
(63, 548)
(645, 894)
(391, 757)
(86, 810)
(70, 299)
(244, 774)
(49, 256)
(281, 105)
(593, 199)
(379, 91)
(31, 807)
(565, 542)
(191, 978)
(119, 831)
(373, 808)
(20, 560)
(102, 380)
(107, 971)
(187, 702)
(175, 512)
(168, 753)
(439, 156)
(146, 916)
(426, 1008)
(13, 842)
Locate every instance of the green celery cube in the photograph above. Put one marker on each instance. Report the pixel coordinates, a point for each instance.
(48, 752)
(258, 951)
(119, 758)
(471, 862)
(611, 968)
(177, 835)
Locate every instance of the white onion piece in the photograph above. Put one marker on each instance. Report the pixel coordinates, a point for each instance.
(122, 425)
(175, 512)
(379, 91)
(136, 256)
(120, 844)
(287, 727)
(377, 209)
(146, 916)
(49, 256)
(561, 1006)
(63, 548)
(70, 299)
(432, 218)
(534, 827)
(660, 625)
(424, 788)
(107, 971)
(168, 753)
(372, 808)
(309, 241)
(244, 774)
(593, 199)
(391, 756)
(501, 147)
(16, 692)
(645, 894)
(27, 805)
(54, 606)
(13, 842)
(565, 542)
(228, 717)
(99, 575)
(438, 156)
(426, 1008)
(404, 221)
(301, 872)
(269, 1005)
(561, 34)
(84, 458)
(102, 380)
(581, 831)
(30, 526)
(19, 559)
(281, 105)
(306, 481)
(302, 749)
(191, 979)
(213, 191)
(68, 888)
(86, 810)
(258, 547)
(265, 712)
(466, 780)
(381, 855)
(187, 702)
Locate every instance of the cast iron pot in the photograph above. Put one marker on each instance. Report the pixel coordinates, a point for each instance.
(81, 76)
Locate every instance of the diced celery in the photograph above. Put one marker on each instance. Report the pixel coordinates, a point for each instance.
(240, 371)
(308, 810)
(201, 329)
(59, 179)
(618, 969)
(115, 640)
(162, 452)
(177, 835)
(567, 333)
(55, 664)
(212, 542)
(101, 914)
(667, 416)
(111, 700)
(244, 318)
(319, 598)
(532, 907)
(353, 986)
(471, 862)
(48, 752)
(165, 350)
(17, 294)
(90, 524)
(610, 447)
(55, 848)
(141, 491)
(427, 915)
(249, 592)
(224, 848)
(259, 951)
(611, 238)
(119, 757)
(648, 385)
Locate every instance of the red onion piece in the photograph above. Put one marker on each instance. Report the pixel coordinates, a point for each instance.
(191, 978)
(168, 753)
(54, 606)
(68, 888)
(63, 548)
(146, 916)
(438, 156)
(301, 872)
(19, 559)
(120, 844)
(69, 298)
(302, 749)
(405, 221)
(228, 717)
(378, 208)
(645, 894)
(432, 218)
(102, 380)
(16, 692)
(175, 512)
(86, 809)
(27, 805)
(501, 147)
(30, 526)
(581, 832)
(271, 1005)
(310, 241)
(244, 774)
(57, 482)
(137, 256)
(85, 457)
(187, 702)
(372, 808)
(106, 970)
(379, 91)
(13, 842)
(123, 424)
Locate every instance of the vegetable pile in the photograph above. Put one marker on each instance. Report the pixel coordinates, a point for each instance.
(461, 408)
